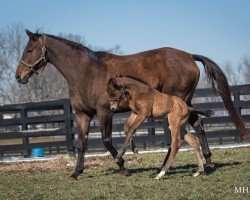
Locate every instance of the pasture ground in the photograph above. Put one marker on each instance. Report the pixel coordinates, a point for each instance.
(50, 179)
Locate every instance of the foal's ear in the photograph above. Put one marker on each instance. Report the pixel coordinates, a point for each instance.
(31, 35)
(111, 81)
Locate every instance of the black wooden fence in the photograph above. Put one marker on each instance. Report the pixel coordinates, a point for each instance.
(50, 124)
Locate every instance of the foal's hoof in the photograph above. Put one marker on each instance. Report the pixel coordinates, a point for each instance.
(138, 157)
(161, 174)
(124, 172)
(197, 174)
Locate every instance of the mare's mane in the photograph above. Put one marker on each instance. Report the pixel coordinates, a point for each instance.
(95, 56)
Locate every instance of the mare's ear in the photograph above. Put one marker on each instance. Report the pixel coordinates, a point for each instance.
(31, 35)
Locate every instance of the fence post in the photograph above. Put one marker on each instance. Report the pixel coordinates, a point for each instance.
(68, 126)
(238, 110)
(26, 150)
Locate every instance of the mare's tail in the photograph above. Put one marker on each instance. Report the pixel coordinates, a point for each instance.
(220, 84)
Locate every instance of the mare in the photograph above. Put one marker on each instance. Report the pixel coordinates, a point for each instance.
(168, 70)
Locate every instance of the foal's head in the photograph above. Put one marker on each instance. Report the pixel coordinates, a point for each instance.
(33, 58)
(116, 92)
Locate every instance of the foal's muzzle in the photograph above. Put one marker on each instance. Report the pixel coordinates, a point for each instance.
(113, 106)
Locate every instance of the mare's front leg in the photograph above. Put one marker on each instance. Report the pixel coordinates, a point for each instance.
(130, 128)
(83, 122)
(105, 121)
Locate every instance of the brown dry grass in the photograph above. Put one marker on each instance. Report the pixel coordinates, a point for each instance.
(59, 163)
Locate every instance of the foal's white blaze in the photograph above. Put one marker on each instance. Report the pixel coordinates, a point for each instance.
(161, 174)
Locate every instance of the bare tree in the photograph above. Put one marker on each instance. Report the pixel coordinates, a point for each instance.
(246, 69)
(12, 41)
(48, 85)
(233, 73)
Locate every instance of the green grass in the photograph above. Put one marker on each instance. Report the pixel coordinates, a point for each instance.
(50, 180)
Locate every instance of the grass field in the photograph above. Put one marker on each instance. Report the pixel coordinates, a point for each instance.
(50, 179)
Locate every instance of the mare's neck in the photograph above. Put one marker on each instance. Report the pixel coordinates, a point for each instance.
(69, 61)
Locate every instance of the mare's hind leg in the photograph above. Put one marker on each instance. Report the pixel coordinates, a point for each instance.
(105, 121)
(197, 124)
(194, 142)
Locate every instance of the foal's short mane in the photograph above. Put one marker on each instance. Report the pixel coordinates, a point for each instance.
(93, 56)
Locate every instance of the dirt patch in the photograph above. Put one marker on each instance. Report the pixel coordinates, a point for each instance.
(60, 163)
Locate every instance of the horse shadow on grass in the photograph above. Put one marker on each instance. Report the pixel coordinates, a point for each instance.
(174, 170)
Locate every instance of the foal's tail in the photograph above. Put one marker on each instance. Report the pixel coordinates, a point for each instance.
(207, 113)
(219, 82)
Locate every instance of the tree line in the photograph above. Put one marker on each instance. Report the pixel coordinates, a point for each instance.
(51, 84)
(48, 85)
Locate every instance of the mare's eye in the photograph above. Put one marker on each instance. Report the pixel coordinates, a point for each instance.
(30, 49)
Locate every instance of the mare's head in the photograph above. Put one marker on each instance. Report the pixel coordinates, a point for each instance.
(33, 58)
(116, 92)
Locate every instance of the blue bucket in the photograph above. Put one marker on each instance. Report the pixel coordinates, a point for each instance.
(38, 152)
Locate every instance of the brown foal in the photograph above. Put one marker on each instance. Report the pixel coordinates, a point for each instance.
(145, 102)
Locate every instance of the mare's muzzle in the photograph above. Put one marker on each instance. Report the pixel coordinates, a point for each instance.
(22, 80)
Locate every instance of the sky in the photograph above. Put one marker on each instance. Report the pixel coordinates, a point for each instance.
(218, 29)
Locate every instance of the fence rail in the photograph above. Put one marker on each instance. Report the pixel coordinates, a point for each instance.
(50, 124)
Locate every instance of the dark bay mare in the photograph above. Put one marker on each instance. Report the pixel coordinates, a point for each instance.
(168, 70)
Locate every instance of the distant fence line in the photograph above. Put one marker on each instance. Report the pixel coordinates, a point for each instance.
(50, 124)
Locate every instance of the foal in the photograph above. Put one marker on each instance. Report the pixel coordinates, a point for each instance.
(145, 102)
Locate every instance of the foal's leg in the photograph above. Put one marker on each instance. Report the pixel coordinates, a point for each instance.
(105, 121)
(194, 142)
(83, 122)
(132, 144)
(197, 124)
(130, 130)
(182, 131)
(174, 126)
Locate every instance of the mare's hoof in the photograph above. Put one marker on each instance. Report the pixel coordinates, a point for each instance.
(73, 177)
(76, 174)
(210, 166)
(124, 172)
(119, 161)
(157, 178)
